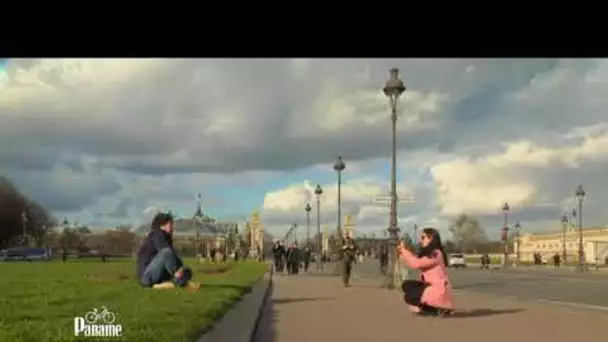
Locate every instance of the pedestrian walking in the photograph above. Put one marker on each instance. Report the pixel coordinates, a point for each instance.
(383, 259)
(278, 254)
(293, 259)
(347, 255)
(307, 258)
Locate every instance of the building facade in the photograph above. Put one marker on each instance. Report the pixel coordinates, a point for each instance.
(595, 245)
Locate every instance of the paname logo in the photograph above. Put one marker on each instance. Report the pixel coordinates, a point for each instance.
(97, 323)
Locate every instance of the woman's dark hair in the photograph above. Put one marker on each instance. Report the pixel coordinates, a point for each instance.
(160, 220)
(434, 245)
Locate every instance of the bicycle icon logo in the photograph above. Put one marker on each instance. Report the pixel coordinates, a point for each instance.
(104, 315)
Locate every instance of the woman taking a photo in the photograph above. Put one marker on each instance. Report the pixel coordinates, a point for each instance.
(432, 294)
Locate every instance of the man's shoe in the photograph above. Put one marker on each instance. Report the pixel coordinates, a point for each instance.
(192, 286)
(164, 286)
(445, 312)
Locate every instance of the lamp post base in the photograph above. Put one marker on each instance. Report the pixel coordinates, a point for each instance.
(392, 258)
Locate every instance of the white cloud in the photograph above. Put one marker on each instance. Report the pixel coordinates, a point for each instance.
(523, 174)
(471, 134)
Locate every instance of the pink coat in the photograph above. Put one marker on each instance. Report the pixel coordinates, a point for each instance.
(434, 272)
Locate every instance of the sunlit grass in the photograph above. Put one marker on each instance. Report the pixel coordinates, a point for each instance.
(40, 300)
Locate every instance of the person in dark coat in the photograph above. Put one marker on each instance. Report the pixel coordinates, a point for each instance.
(158, 265)
(485, 261)
(278, 254)
(307, 258)
(288, 252)
(383, 259)
(293, 259)
(557, 260)
(212, 254)
(348, 253)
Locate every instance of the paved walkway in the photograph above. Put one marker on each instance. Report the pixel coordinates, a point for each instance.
(308, 308)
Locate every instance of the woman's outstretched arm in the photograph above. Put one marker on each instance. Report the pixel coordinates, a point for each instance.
(414, 261)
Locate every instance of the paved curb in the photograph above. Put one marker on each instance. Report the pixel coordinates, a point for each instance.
(240, 322)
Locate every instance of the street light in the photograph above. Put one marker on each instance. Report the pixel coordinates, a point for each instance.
(198, 215)
(517, 238)
(393, 88)
(319, 192)
(307, 208)
(580, 195)
(339, 166)
(564, 232)
(505, 233)
(24, 223)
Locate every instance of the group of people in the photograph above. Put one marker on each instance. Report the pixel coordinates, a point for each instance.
(159, 266)
(292, 257)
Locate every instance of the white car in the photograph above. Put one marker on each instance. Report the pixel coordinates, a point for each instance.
(457, 261)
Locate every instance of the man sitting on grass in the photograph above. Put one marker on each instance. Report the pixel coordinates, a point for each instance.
(158, 265)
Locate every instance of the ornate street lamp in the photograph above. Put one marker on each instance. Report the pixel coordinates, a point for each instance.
(307, 208)
(518, 239)
(504, 235)
(318, 193)
(24, 223)
(393, 88)
(339, 166)
(580, 195)
(196, 222)
(564, 233)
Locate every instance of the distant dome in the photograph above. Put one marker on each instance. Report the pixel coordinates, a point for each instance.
(205, 226)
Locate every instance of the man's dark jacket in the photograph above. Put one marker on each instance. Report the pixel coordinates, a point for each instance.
(154, 242)
(293, 255)
(278, 251)
(348, 252)
(307, 254)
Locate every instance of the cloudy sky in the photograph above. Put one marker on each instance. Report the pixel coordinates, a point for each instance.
(100, 140)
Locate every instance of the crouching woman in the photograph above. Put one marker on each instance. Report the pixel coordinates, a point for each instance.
(432, 294)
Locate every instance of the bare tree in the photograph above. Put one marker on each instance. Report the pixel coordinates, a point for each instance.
(69, 240)
(467, 233)
(119, 241)
(13, 204)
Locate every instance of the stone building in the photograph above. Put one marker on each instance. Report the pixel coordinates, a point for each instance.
(547, 244)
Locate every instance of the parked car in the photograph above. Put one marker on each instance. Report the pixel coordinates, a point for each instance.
(25, 254)
(457, 261)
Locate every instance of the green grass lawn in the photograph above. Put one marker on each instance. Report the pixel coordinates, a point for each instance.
(39, 301)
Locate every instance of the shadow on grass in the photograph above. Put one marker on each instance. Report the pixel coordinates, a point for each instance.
(484, 313)
(245, 288)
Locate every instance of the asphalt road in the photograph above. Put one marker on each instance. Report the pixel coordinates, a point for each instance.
(558, 288)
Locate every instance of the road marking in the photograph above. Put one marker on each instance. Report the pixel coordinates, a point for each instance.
(540, 300)
(544, 277)
(574, 305)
